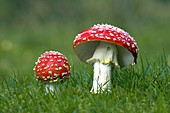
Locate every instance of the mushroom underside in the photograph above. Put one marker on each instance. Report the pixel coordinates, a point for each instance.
(86, 50)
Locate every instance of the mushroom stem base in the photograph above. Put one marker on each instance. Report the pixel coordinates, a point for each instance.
(102, 77)
(51, 87)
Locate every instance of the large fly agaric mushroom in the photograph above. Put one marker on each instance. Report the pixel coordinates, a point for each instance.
(106, 47)
(51, 67)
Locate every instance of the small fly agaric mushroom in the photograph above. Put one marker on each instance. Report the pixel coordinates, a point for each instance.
(51, 67)
(106, 47)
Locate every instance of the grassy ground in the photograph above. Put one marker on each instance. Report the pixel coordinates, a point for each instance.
(143, 88)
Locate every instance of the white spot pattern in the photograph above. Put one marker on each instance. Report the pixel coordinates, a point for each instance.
(109, 33)
(49, 66)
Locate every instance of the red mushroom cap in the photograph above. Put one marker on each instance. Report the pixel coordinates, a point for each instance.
(86, 42)
(52, 66)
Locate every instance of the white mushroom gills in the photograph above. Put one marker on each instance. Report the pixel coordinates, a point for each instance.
(104, 55)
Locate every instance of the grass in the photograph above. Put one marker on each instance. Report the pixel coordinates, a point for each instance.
(143, 88)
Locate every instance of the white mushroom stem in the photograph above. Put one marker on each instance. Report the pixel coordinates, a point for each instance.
(51, 87)
(102, 77)
(96, 76)
(104, 55)
(105, 77)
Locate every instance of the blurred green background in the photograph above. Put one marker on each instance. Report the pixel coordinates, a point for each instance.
(28, 28)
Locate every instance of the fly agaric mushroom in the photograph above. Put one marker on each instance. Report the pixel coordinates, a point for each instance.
(51, 67)
(105, 47)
